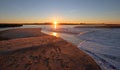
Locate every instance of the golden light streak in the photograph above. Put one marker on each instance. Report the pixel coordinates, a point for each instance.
(55, 24)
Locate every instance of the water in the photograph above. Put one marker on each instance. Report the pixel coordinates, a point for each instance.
(102, 44)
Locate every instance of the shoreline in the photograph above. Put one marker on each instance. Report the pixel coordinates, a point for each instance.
(29, 48)
(98, 26)
(10, 25)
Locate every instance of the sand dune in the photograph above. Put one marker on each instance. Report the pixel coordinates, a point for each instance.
(43, 52)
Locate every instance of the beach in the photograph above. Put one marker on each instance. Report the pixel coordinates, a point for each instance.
(30, 49)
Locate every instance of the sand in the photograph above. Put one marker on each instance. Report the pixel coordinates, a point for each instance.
(38, 51)
(21, 33)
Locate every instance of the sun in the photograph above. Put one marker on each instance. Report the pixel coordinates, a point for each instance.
(55, 22)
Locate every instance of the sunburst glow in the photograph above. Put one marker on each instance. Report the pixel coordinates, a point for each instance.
(55, 24)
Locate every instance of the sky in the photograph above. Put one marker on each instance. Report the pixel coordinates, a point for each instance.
(76, 11)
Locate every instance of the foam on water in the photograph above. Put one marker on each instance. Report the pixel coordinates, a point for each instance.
(104, 46)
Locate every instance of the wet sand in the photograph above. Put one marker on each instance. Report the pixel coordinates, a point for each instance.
(29, 49)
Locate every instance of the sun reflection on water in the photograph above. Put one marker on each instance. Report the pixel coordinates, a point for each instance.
(55, 24)
(54, 34)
